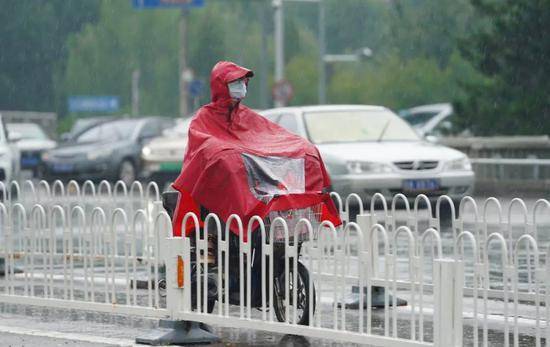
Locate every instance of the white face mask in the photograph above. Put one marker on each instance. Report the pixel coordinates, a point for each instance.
(237, 89)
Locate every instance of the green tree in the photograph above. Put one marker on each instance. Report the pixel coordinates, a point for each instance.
(68, 47)
(398, 83)
(354, 24)
(303, 75)
(429, 28)
(512, 51)
(103, 55)
(33, 42)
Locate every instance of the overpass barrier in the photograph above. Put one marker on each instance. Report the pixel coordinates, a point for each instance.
(470, 275)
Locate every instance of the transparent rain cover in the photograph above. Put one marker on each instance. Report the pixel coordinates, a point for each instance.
(272, 176)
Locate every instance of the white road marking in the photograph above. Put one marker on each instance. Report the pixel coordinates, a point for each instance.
(69, 336)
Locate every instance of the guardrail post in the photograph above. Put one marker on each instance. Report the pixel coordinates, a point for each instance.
(177, 257)
(365, 223)
(448, 290)
(175, 250)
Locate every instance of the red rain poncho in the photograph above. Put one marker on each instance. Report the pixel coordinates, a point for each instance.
(238, 162)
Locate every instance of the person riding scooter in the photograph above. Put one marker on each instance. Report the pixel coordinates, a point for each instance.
(238, 162)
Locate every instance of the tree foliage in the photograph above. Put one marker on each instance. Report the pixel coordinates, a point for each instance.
(512, 51)
(33, 38)
(429, 29)
(103, 56)
(68, 47)
(398, 83)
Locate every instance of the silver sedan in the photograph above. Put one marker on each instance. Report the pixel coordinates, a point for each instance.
(369, 149)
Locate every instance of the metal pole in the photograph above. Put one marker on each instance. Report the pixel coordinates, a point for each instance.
(322, 66)
(262, 9)
(279, 44)
(183, 64)
(135, 92)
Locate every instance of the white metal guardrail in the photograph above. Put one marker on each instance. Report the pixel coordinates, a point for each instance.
(531, 170)
(511, 161)
(88, 247)
(506, 258)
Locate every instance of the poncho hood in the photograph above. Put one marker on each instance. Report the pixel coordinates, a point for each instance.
(238, 162)
(223, 73)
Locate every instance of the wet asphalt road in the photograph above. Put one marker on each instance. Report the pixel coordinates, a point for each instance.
(81, 328)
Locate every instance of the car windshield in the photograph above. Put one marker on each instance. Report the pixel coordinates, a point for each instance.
(418, 119)
(357, 126)
(27, 131)
(81, 124)
(110, 131)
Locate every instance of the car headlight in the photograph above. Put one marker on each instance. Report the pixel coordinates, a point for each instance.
(462, 164)
(146, 151)
(359, 167)
(99, 153)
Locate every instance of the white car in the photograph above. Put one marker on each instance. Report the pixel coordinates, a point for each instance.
(9, 156)
(162, 157)
(31, 140)
(369, 149)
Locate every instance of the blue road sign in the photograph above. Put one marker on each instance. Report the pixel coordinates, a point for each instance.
(84, 103)
(196, 88)
(167, 3)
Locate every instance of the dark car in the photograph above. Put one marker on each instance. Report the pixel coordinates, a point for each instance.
(109, 150)
(82, 124)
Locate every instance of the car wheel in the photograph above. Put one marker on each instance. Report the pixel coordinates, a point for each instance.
(127, 172)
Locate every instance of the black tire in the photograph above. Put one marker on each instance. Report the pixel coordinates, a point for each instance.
(212, 290)
(445, 212)
(127, 172)
(302, 292)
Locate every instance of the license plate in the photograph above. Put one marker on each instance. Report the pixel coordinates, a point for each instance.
(420, 185)
(63, 167)
(29, 161)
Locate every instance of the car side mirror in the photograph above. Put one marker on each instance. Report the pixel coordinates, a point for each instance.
(14, 136)
(65, 137)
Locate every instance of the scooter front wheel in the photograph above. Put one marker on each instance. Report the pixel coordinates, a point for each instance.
(212, 290)
(303, 294)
